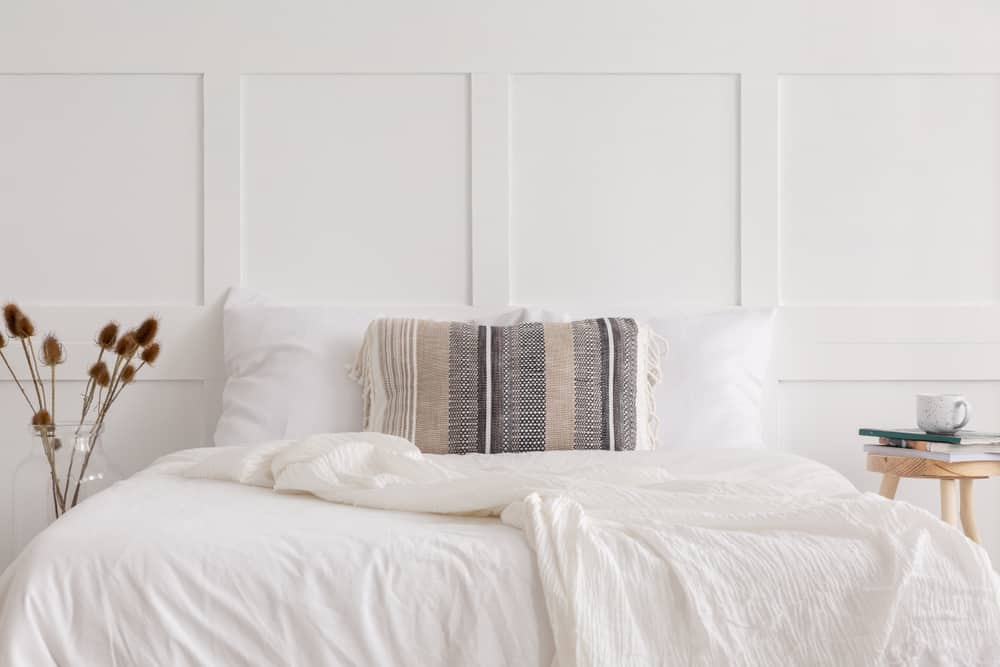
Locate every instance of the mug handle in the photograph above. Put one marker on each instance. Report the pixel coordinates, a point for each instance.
(968, 413)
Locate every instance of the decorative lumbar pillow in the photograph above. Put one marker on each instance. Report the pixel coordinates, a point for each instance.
(459, 388)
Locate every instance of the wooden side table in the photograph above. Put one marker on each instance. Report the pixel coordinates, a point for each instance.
(895, 467)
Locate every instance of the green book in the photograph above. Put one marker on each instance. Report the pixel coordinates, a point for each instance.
(959, 438)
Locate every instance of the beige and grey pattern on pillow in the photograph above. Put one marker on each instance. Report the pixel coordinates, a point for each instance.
(459, 388)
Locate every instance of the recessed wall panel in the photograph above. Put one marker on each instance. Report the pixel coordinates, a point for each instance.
(889, 189)
(101, 188)
(355, 187)
(624, 188)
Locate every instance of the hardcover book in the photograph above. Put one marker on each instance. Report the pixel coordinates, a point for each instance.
(959, 438)
(924, 446)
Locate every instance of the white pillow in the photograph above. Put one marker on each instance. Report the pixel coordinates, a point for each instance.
(713, 375)
(287, 364)
(713, 378)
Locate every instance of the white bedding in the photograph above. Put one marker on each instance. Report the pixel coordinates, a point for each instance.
(167, 570)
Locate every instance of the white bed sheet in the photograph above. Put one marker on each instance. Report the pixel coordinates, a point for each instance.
(163, 570)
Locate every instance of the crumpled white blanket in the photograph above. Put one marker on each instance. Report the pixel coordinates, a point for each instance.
(641, 569)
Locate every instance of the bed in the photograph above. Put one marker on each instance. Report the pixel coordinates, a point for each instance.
(167, 570)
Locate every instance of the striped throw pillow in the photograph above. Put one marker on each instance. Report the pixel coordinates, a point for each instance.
(459, 388)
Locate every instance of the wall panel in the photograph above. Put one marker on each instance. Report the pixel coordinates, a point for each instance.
(625, 188)
(889, 189)
(101, 188)
(356, 187)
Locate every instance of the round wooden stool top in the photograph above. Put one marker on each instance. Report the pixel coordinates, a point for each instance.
(913, 466)
(893, 468)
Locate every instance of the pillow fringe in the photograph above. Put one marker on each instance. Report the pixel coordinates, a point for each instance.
(657, 349)
(360, 372)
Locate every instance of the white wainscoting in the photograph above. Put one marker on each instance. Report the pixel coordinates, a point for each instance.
(840, 161)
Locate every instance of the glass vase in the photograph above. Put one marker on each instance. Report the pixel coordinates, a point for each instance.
(64, 466)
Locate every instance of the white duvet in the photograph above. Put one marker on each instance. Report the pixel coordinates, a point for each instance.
(649, 558)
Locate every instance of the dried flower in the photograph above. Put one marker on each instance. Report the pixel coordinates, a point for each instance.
(99, 374)
(146, 332)
(42, 418)
(17, 322)
(3, 342)
(108, 335)
(151, 354)
(126, 345)
(10, 314)
(53, 353)
(128, 374)
(24, 328)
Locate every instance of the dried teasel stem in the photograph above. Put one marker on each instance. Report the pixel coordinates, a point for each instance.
(38, 372)
(13, 375)
(20, 326)
(97, 376)
(141, 342)
(29, 354)
(43, 424)
(98, 379)
(106, 339)
(95, 433)
(123, 374)
(53, 354)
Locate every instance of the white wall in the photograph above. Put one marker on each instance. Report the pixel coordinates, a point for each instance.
(841, 161)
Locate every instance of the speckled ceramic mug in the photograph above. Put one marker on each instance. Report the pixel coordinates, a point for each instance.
(942, 413)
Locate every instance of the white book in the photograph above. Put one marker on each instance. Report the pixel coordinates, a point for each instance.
(947, 457)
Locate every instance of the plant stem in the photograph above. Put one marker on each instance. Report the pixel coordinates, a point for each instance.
(38, 374)
(94, 435)
(31, 369)
(88, 393)
(114, 391)
(69, 468)
(111, 386)
(52, 388)
(13, 376)
(88, 398)
(48, 447)
(55, 501)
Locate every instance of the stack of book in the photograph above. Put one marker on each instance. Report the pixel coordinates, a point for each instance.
(962, 446)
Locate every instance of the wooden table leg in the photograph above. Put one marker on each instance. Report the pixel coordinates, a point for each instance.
(968, 510)
(949, 513)
(889, 485)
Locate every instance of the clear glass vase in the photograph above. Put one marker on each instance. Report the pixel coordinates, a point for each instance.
(64, 466)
